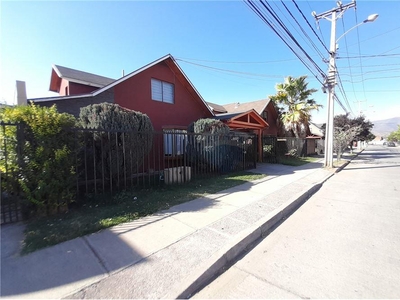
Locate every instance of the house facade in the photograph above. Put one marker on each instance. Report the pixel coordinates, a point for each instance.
(265, 108)
(160, 89)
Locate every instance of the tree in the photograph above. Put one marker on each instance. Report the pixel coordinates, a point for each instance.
(394, 135)
(294, 104)
(343, 136)
(364, 134)
(366, 126)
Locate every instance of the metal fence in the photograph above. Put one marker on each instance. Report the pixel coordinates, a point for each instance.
(110, 161)
(274, 147)
(270, 149)
(10, 160)
(292, 145)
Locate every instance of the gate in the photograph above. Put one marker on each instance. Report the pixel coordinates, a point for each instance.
(270, 149)
(10, 161)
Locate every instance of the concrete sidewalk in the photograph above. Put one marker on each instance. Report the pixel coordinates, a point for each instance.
(167, 255)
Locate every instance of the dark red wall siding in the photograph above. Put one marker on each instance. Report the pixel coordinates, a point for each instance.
(77, 89)
(135, 93)
(272, 119)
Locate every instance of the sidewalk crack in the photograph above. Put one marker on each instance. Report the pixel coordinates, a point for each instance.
(101, 262)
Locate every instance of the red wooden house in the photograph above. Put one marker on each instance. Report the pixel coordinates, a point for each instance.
(265, 108)
(160, 89)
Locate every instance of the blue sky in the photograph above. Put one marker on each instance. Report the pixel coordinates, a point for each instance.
(227, 52)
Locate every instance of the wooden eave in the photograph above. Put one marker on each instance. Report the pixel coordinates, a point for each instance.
(247, 120)
(55, 82)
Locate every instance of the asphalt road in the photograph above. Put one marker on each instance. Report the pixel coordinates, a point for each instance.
(344, 242)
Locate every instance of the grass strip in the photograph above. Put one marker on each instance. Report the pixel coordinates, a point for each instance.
(296, 161)
(125, 206)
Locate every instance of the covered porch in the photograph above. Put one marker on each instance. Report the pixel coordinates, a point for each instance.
(248, 121)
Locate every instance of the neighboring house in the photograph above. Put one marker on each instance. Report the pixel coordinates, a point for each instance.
(67, 82)
(265, 108)
(315, 141)
(160, 89)
(248, 121)
(316, 129)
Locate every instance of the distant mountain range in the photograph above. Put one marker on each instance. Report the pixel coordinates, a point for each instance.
(384, 127)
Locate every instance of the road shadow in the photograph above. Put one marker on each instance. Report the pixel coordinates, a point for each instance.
(57, 270)
(72, 265)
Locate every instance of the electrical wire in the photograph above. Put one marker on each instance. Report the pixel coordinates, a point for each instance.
(283, 33)
(365, 56)
(239, 62)
(311, 42)
(342, 90)
(230, 71)
(348, 60)
(359, 52)
(304, 17)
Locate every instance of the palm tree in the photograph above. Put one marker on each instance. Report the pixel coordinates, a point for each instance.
(295, 105)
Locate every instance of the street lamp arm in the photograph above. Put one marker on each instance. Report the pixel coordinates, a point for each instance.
(370, 18)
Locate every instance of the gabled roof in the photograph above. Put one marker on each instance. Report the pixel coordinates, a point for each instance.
(259, 106)
(243, 120)
(168, 59)
(217, 108)
(76, 76)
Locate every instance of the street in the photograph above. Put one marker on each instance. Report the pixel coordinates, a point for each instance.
(344, 242)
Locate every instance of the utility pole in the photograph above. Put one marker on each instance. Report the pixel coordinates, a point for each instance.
(330, 81)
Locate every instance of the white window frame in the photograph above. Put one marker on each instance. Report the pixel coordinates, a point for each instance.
(175, 141)
(162, 91)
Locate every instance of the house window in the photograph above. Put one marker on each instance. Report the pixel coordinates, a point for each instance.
(265, 115)
(162, 91)
(174, 142)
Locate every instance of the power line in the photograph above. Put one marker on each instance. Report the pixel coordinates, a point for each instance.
(323, 44)
(341, 88)
(280, 29)
(368, 72)
(240, 62)
(303, 31)
(359, 52)
(348, 60)
(372, 78)
(230, 71)
(364, 56)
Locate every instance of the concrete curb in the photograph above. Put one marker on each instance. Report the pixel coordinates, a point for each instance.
(222, 259)
(348, 162)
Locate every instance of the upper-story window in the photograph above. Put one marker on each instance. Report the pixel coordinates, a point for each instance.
(162, 91)
(265, 115)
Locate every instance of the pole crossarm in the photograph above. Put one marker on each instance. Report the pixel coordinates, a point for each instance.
(340, 9)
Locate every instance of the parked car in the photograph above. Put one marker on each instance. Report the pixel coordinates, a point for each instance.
(391, 144)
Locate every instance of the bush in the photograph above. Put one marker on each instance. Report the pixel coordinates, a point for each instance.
(40, 156)
(209, 126)
(209, 147)
(121, 140)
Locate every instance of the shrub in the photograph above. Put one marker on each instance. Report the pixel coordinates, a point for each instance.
(121, 138)
(211, 146)
(40, 155)
(209, 126)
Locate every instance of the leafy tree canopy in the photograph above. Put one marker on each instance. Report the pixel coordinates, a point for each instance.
(365, 126)
(394, 135)
(295, 105)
